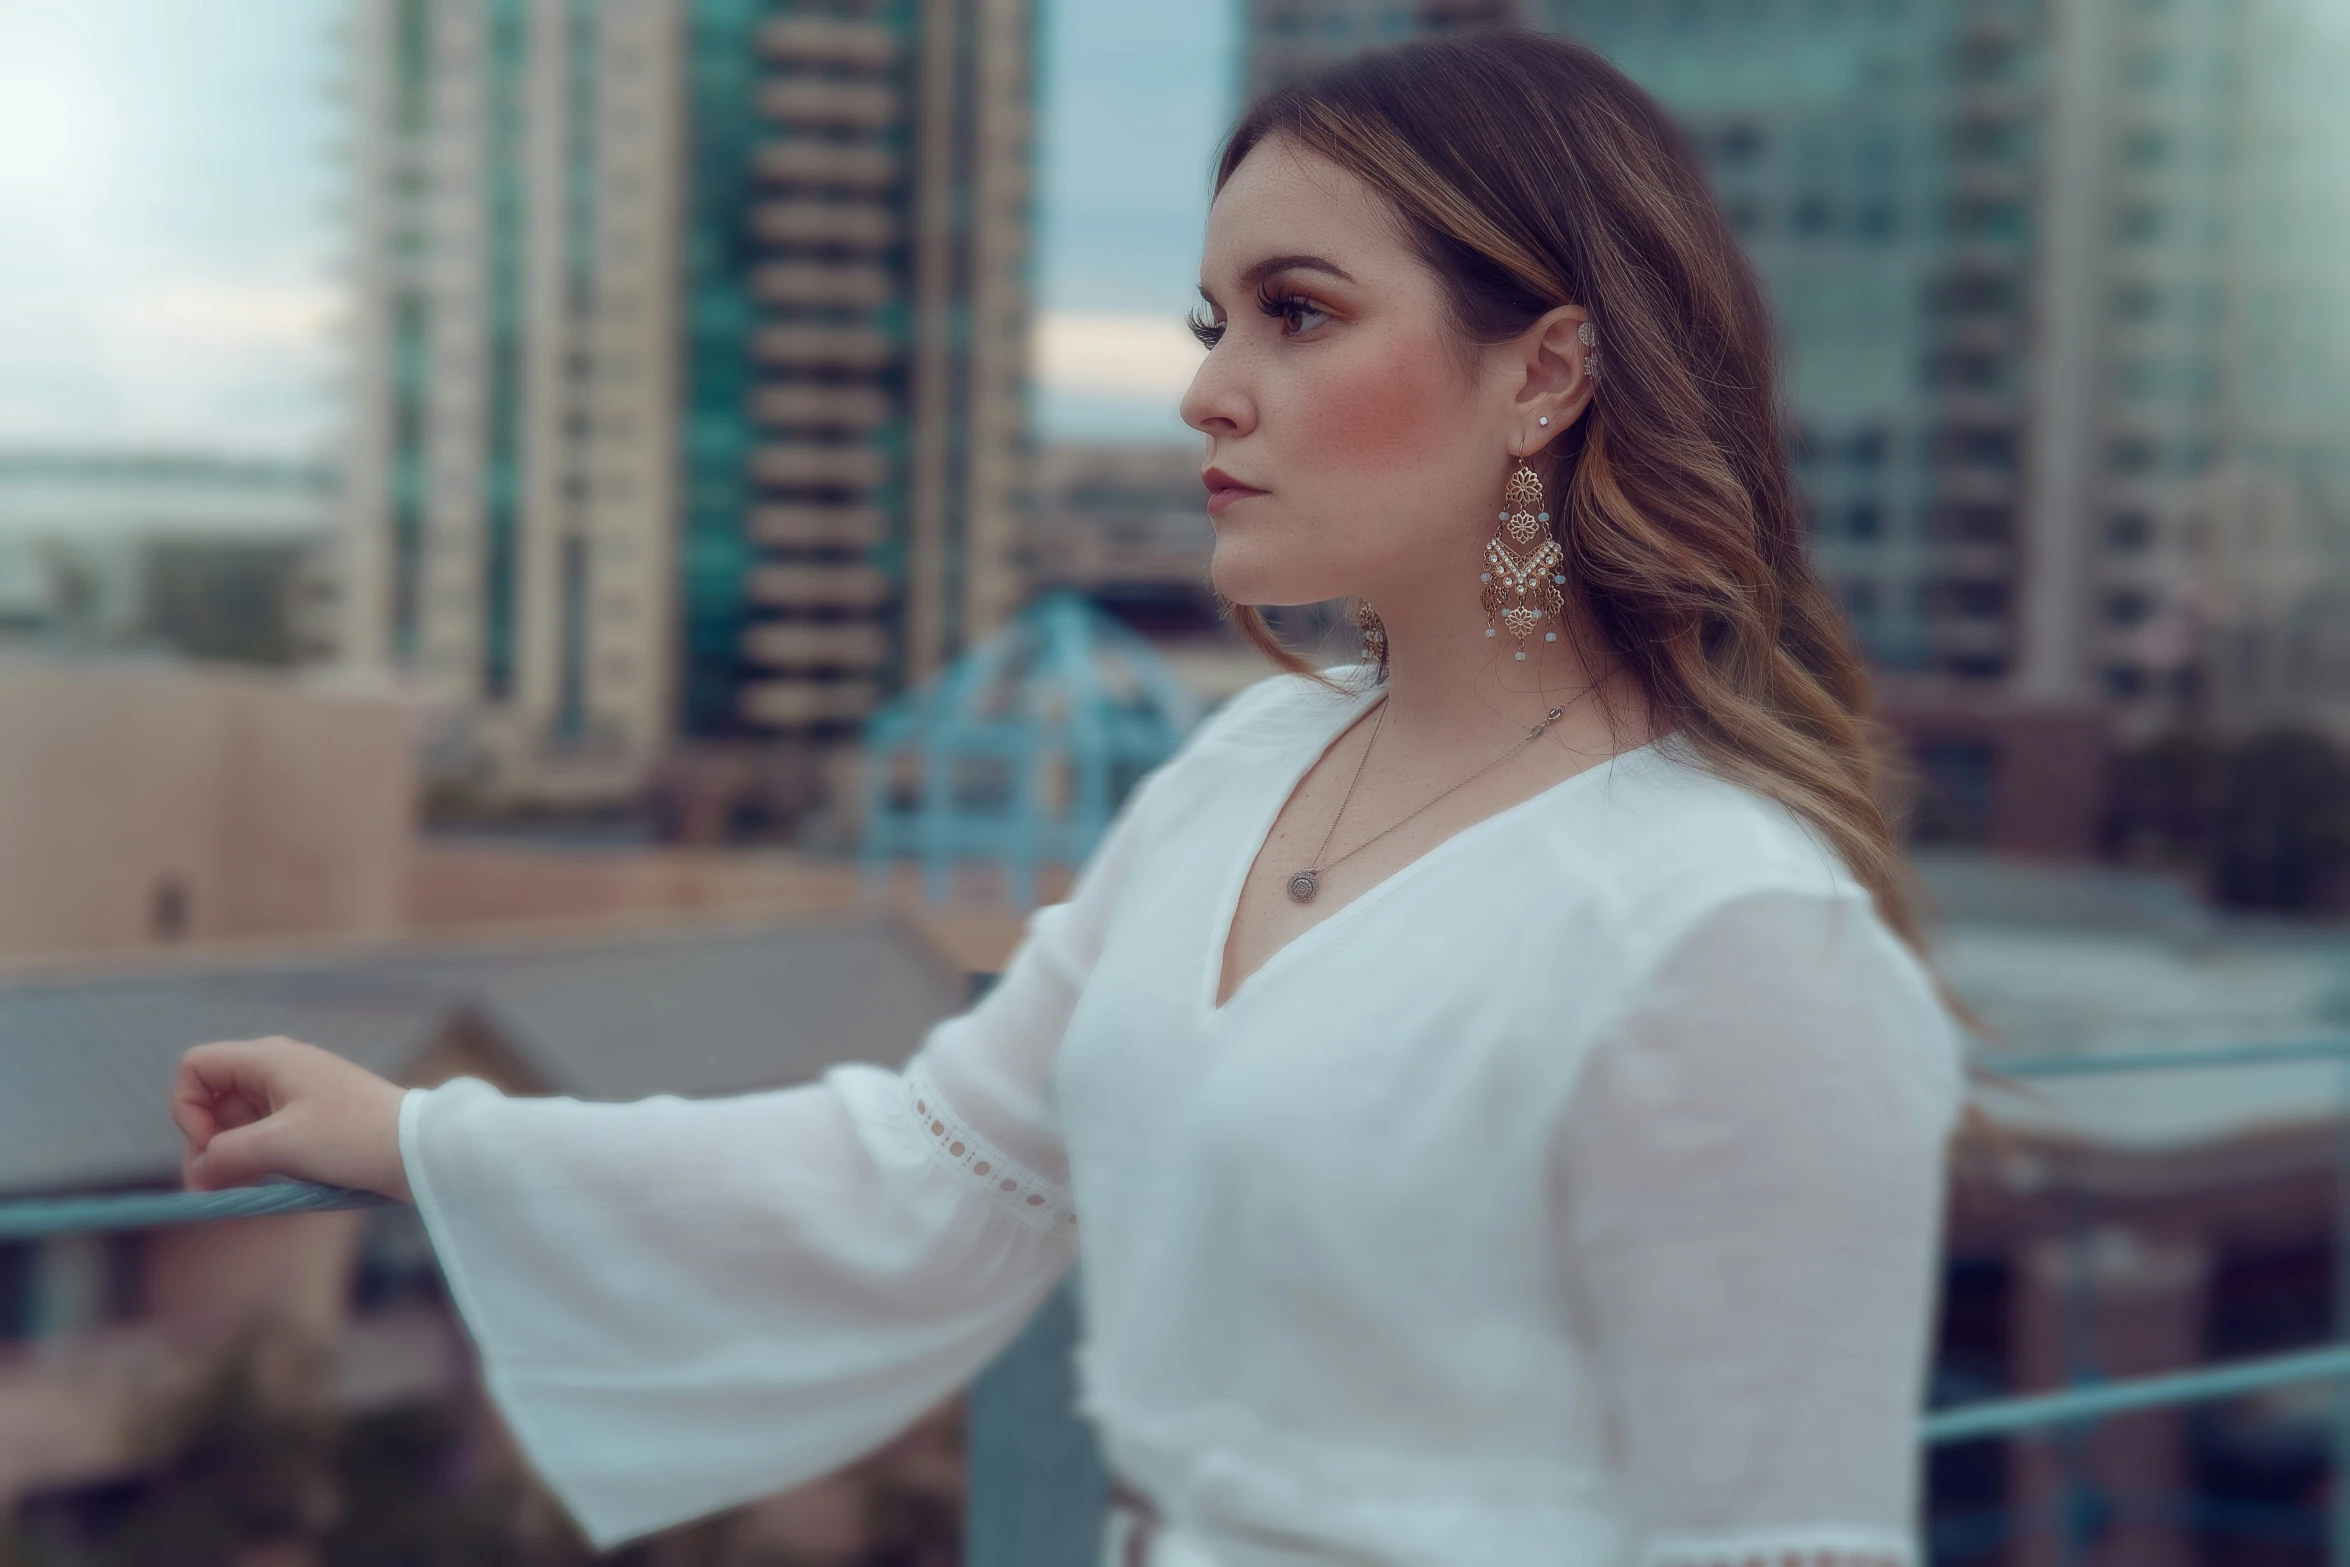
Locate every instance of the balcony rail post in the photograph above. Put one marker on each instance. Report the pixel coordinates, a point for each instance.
(1037, 1488)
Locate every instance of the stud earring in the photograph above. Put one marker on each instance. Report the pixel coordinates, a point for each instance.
(1522, 584)
(1544, 421)
(1374, 632)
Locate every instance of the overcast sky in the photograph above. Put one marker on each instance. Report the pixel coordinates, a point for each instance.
(168, 218)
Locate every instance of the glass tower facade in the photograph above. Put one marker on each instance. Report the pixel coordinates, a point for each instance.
(720, 251)
(847, 209)
(2068, 337)
(1825, 137)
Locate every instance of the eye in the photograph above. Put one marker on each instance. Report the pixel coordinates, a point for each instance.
(1209, 333)
(1293, 311)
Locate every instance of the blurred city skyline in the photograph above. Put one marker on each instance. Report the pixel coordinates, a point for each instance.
(171, 181)
(713, 372)
(619, 546)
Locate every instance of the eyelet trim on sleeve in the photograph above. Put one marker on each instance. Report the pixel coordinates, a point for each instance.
(1814, 1547)
(952, 1142)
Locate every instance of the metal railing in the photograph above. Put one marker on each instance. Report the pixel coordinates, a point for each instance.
(1037, 1483)
(2065, 1412)
(34, 1219)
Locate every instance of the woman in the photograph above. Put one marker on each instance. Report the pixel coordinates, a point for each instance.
(1501, 1100)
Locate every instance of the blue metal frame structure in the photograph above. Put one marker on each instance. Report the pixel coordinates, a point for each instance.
(1062, 689)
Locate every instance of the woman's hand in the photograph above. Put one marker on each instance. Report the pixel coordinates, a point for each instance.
(256, 1107)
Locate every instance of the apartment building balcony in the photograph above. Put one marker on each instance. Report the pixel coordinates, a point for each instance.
(1990, 332)
(1995, 101)
(1973, 560)
(832, 40)
(858, 165)
(823, 407)
(1992, 181)
(858, 225)
(787, 703)
(819, 527)
(822, 102)
(799, 463)
(1978, 486)
(1955, 637)
(1977, 409)
(819, 283)
(813, 586)
(2139, 641)
(2145, 571)
(851, 644)
(1989, 26)
(825, 347)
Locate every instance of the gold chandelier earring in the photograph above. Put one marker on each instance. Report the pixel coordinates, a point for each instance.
(1374, 632)
(1523, 573)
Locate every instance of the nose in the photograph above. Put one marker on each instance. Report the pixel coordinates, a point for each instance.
(1218, 402)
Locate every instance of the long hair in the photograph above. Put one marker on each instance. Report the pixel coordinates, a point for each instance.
(1530, 173)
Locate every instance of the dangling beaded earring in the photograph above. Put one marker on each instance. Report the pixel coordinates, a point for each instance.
(1374, 635)
(1522, 585)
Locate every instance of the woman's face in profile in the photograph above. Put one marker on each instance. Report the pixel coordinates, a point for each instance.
(1370, 443)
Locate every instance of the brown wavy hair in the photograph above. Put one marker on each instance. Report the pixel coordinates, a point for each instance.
(1530, 173)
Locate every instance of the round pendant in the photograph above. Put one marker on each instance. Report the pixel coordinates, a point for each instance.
(1303, 886)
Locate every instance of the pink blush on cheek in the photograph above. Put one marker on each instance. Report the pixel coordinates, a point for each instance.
(1383, 415)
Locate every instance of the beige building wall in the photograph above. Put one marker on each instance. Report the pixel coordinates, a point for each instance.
(588, 115)
(140, 806)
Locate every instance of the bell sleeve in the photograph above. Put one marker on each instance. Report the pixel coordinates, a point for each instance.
(681, 1305)
(1751, 1169)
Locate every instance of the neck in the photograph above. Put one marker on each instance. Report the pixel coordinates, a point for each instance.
(1448, 684)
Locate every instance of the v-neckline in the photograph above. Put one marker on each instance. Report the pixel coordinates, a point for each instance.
(1228, 911)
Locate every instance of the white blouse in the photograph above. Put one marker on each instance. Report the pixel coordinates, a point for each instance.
(1572, 1197)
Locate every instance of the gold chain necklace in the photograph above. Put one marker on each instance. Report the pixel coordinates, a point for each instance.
(1305, 883)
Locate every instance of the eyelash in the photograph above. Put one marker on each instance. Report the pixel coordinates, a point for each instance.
(1280, 307)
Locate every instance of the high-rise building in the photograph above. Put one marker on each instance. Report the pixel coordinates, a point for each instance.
(2189, 502)
(2068, 339)
(1825, 138)
(1287, 39)
(691, 365)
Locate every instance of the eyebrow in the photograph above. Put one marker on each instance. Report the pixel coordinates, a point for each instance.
(1264, 269)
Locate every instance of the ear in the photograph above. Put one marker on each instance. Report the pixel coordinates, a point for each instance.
(1544, 367)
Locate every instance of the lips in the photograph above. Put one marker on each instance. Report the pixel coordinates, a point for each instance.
(1224, 490)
